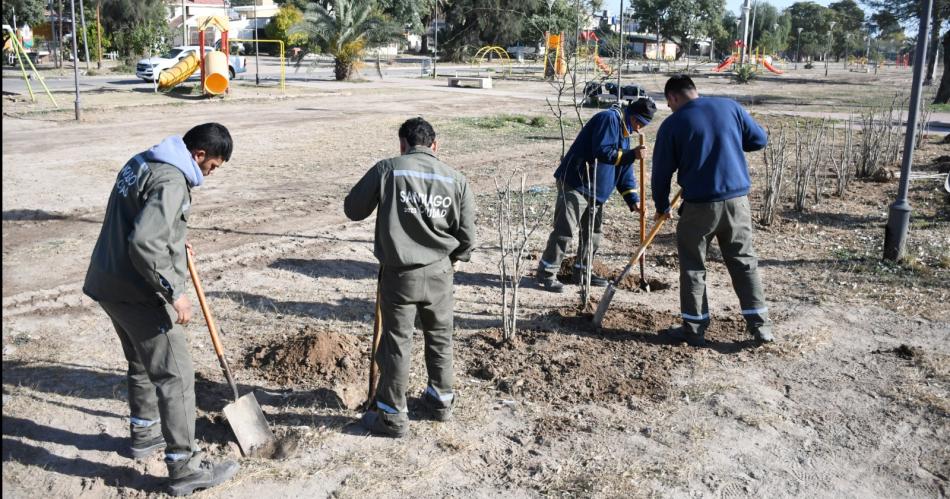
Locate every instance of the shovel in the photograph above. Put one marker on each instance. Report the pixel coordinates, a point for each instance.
(644, 285)
(244, 414)
(612, 287)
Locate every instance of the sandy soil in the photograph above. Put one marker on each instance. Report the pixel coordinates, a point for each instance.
(852, 400)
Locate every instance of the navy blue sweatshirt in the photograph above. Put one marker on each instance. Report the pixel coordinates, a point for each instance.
(602, 138)
(704, 141)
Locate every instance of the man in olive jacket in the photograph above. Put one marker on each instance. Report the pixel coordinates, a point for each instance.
(424, 224)
(138, 274)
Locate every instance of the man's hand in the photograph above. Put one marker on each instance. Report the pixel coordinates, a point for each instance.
(640, 152)
(659, 216)
(190, 250)
(183, 306)
(634, 208)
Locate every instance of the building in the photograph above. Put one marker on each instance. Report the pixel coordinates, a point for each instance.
(246, 20)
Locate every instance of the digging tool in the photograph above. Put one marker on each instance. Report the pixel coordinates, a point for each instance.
(612, 287)
(377, 334)
(644, 285)
(244, 414)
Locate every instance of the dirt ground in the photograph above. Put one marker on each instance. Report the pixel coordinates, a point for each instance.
(852, 400)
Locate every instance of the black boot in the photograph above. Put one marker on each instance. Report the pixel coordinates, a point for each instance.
(681, 334)
(548, 282)
(146, 440)
(437, 409)
(188, 475)
(595, 280)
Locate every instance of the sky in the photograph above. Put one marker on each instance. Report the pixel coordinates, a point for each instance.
(734, 5)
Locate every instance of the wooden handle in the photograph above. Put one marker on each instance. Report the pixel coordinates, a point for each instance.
(212, 328)
(656, 228)
(643, 194)
(377, 334)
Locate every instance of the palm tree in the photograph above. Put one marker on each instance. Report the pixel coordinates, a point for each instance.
(344, 30)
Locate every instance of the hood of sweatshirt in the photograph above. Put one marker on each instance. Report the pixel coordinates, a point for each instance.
(174, 152)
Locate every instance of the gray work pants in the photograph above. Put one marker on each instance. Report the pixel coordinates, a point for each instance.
(571, 212)
(403, 293)
(730, 223)
(161, 376)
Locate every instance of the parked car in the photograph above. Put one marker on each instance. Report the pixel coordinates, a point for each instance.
(149, 69)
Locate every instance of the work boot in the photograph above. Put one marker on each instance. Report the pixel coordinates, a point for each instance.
(762, 334)
(378, 424)
(437, 409)
(146, 440)
(681, 334)
(595, 280)
(188, 475)
(547, 281)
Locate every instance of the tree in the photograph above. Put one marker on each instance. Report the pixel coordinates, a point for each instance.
(345, 30)
(137, 26)
(278, 27)
(943, 93)
(849, 30)
(681, 20)
(909, 11)
(31, 12)
(770, 29)
(815, 21)
(886, 25)
(471, 24)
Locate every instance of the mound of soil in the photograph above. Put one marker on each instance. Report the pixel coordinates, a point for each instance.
(312, 357)
(575, 363)
(630, 283)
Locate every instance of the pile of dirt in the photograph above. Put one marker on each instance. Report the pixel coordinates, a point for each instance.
(312, 357)
(572, 362)
(630, 283)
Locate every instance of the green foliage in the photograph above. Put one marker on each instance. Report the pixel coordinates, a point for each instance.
(744, 73)
(345, 31)
(137, 26)
(142, 39)
(408, 13)
(886, 25)
(279, 26)
(682, 20)
(505, 120)
(32, 12)
(815, 21)
(472, 24)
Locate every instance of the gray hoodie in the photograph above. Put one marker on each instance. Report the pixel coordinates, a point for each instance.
(140, 254)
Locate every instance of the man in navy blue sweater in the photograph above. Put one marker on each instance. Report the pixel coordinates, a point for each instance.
(704, 142)
(604, 142)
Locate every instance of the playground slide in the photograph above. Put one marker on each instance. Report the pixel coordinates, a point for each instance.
(725, 64)
(601, 64)
(768, 65)
(179, 72)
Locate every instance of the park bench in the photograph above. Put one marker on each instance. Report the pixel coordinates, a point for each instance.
(481, 82)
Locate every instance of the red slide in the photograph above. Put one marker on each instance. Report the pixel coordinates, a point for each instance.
(725, 64)
(768, 65)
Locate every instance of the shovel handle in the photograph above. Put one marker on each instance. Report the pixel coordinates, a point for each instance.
(212, 328)
(643, 205)
(377, 334)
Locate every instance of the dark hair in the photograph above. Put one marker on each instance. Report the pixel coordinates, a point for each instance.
(213, 138)
(678, 84)
(417, 132)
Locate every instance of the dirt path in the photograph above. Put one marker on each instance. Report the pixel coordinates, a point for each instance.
(852, 400)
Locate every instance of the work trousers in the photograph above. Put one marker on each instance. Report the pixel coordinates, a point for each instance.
(161, 376)
(730, 223)
(571, 212)
(403, 293)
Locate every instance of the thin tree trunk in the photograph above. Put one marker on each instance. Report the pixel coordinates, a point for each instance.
(943, 93)
(932, 49)
(59, 41)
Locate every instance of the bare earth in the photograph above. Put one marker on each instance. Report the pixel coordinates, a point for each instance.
(853, 400)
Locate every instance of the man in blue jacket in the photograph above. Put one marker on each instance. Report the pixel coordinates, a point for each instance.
(703, 142)
(598, 162)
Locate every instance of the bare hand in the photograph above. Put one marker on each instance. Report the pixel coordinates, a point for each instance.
(190, 250)
(660, 216)
(183, 306)
(640, 152)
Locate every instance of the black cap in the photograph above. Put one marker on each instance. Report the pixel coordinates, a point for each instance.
(642, 109)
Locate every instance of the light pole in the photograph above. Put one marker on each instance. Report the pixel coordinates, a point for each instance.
(746, 7)
(867, 56)
(831, 26)
(895, 233)
(257, 52)
(847, 49)
(72, 10)
(798, 56)
(755, 8)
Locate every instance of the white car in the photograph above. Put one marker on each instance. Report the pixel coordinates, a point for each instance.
(149, 69)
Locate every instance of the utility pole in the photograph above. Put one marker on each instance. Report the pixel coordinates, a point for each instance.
(184, 27)
(59, 41)
(98, 36)
(798, 56)
(755, 8)
(257, 57)
(746, 7)
(85, 42)
(620, 61)
(72, 4)
(895, 233)
(435, 40)
(831, 26)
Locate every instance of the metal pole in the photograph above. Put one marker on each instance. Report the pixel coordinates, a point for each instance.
(72, 5)
(620, 61)
(895, 233)
(98, 37)
(755, 9)
(184, 27)
(85, 41)
(435, 40)
(745, 29)
(257, 56)
(828, 45)
(798, 56)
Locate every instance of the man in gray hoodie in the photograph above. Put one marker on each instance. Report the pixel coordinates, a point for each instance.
(425, 222)
(138, 275)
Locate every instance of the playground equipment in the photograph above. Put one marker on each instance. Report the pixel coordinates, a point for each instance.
(757, 58)
(178, 73)
(554, 43)
(280, 43)
(488, 51)
(17, 46)
(213, 65)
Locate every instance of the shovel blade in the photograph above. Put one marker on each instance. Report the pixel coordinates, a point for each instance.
(249, 426)
(604, 304)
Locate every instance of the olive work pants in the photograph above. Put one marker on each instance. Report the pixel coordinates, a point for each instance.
(403, 293)
(730, 223)
(572, 214)
(161, 376)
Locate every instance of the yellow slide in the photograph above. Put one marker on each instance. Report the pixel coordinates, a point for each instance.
(179, 72)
